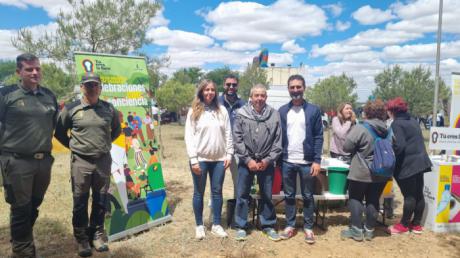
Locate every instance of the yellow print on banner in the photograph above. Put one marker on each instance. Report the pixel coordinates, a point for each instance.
(456, 86)
(113, 79)
(444, 188)
(134, 95)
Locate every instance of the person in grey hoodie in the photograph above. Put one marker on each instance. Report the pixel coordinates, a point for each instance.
(361, 183)
(257, 143)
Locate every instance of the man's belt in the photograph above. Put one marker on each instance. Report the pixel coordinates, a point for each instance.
(92, 157)
(37, 155)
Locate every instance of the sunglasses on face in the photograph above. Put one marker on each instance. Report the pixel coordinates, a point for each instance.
(233, 85)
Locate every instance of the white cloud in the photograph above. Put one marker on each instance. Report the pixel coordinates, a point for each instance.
(178, 39)
(342, 26)
(362, 72)
(8, 51)
(239, 46)
(292, 47)
(421, 52)
(335, 9)
(369, 16)
(19, 4)
(180, 58)
(422, 16)
(52, 7)
(256, 23)
(336, 51)
(159, 20)
(380, 38)
(365, 56)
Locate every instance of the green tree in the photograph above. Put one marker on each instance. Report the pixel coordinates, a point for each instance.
(218, 75)
(7, 69)
(250, 77)
(191, 75)
(103, 26)
(329, 93)
(175, 96)
(415, 86)
(61, 83)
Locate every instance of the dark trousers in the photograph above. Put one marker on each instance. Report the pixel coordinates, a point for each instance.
(89, 174)
(216, 172)
(267, 209)
(414, 203)
(307, 188)
(358, 192)
(25, 181)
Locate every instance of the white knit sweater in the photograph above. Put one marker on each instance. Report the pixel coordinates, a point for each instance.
(210, 137)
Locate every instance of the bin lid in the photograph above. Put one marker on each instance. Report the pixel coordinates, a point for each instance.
(339, 169)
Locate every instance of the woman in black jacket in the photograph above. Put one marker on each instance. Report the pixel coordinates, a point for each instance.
(411, 162)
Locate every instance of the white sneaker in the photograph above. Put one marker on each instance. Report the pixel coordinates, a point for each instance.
(217, 230)
(199, 232)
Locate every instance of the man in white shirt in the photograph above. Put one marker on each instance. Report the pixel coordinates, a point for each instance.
(302, 148)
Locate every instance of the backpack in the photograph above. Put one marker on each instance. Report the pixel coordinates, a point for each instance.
(384, 156)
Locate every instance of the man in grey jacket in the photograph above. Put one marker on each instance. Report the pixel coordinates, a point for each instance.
(257, 142)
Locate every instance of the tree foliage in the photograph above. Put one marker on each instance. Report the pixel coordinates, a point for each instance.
(7, 70)
(250, 77)
(329, 93)
(102, 26)
(58, 81)
(218, 75)
(415, 86)
(191, 75)
(175, 96)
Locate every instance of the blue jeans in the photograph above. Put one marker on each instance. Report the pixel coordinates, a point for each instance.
(307, 186)
(216, 172)
(267, 209)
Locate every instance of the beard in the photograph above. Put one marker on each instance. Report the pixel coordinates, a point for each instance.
(296, 95)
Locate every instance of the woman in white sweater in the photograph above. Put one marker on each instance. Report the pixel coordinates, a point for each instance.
(209, 144)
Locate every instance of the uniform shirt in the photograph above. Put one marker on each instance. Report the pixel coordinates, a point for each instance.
(92, 127)
(28, 119)
(296, 134)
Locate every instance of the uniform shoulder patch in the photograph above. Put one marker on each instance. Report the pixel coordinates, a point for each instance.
(8, 89)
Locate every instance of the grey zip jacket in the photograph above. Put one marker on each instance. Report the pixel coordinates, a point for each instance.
(257, 136)
(360, 141)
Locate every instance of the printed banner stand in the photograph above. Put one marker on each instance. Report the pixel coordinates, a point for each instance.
(137, 192)
(442, 196)
(455, 105)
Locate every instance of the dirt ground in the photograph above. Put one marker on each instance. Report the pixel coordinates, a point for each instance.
(53, 232)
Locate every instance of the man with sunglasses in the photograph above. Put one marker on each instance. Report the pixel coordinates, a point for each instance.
(93, 125)
(28, 114)
(232, 103)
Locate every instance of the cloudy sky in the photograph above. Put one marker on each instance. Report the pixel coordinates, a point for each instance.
(358, 37)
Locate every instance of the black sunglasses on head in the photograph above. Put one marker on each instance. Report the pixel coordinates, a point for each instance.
(231, 85)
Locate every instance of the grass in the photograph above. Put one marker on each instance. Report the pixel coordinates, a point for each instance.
(53, 231)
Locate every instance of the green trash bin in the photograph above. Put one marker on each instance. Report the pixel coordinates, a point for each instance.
(337, 178)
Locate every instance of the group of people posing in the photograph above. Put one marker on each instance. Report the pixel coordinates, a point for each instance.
(221, 132)
(252, 138)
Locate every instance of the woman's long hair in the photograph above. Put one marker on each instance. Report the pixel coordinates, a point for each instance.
(198, 102)
(339, 112)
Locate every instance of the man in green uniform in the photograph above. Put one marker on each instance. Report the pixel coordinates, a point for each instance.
(93, 125)
(28, 114)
